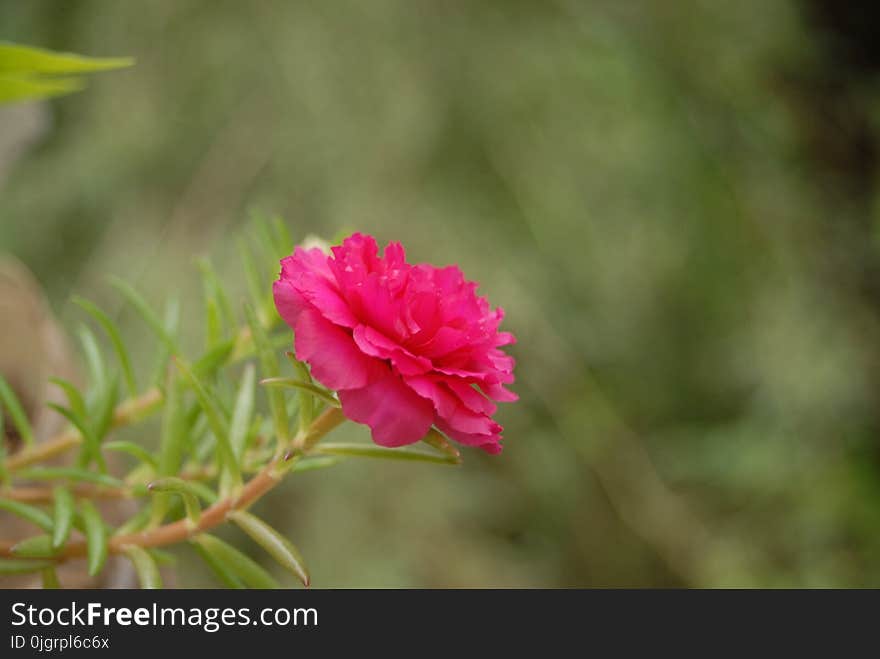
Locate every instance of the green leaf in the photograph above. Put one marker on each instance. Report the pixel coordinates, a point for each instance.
(272, 237)
(172, 441)
(257, 289)
(219, 317)
(18, 87)
(439, 442)
(220, 569)
(185, 490)
(162, 557)
(16, 413)
(63, 516)
(4, 471)
(293, 383)
(275, 544)
(145, 566)
(211, 361)
(370, 451)
(174, 427)
(308, 402)
(69, 473)
(78, 422)
(316, 462)
(203, 492)
(23, 566)
(171, 323)
(103, 416)
(115, 338)
(231, 565)
(94, 360)
(74, 397)
(50, 579)
(149, 316)
(213, 322)
(243, 412)
(282, 238)
(137, 522)
(96, 537)
(104, 410)
(15, 58)
(270, 367)
(216, 421)
(31, 514)
(135, 450)
(38, 546)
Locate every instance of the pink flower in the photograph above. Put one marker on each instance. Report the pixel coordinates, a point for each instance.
(405, 346)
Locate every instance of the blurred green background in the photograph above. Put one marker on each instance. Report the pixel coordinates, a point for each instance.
(675, 202)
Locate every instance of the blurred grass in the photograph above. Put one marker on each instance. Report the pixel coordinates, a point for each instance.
(638, 184)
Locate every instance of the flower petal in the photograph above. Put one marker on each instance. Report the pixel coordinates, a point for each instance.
(489, 443)
(335, 359)
(289, 302)
(395, 413)
(376, 344)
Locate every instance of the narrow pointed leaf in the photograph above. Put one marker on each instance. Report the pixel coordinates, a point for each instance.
(26, 512)
(77, 422)
(316, 462)
(312, 389)
(75, 400)
(104, 410)
(243, 412)
(184, 490)
(96, 537)
(171, 323)
(69, 473)
(255, 283)
(20, 87)
(174, 426)
(15, 58)
(209, 363)
(115, 338)
(135, 450)
(439, 442)
(234, 563)
(16, 413)
(4, 471)
(137, 522)
(172, 441)
(275, 544)
(282, 237)
(220, 569)
(217, 307)
(38, 546)
(91, 441)
(62, 516)
(94, 360)
(309, 399)
(50, 579)
(270, 367)
(146, 312)
(162, 557)
(216, 421)
(22, 565)
(370, 451)
(145, 566)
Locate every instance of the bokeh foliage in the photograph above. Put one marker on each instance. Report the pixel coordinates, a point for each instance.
(671, 200)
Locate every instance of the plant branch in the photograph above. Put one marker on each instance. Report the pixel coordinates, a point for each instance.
(125, 413)
(266, 479)
(45, 494)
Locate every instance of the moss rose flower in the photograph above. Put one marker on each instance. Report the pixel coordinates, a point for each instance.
(405, 346)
